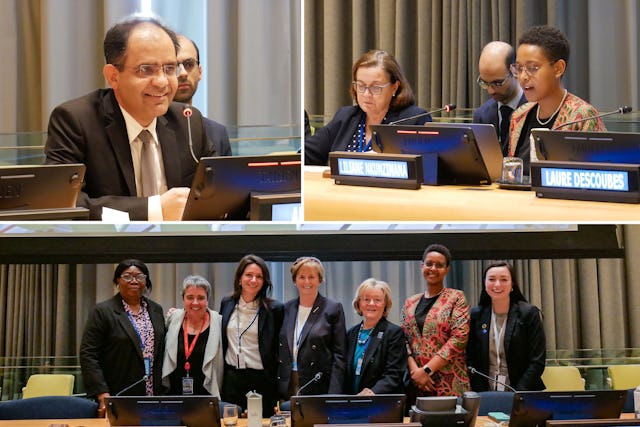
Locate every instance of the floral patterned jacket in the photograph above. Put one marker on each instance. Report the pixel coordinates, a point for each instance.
(445, 333)
(573, 108)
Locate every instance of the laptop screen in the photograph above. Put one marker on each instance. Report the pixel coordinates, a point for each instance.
(189, 411)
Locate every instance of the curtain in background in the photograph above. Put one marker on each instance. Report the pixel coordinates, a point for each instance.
(251, 72)
(587, 303)
(438, 42)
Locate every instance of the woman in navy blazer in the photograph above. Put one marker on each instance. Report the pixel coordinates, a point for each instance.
(503, 316)
(251, 322)
(382, 95)
(376, 348)
(312, 338)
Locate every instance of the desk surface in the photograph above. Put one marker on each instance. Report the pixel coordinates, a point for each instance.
(326, 201)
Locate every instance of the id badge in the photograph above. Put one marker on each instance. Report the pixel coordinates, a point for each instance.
(147, 366)
(242, 362)
(187, 385)
(501, 381)
(359, 366)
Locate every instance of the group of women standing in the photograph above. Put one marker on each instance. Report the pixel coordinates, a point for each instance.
(302, 347)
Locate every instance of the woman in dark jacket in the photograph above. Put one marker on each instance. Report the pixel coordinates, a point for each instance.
(251, 321)
(506, 340)
(382, 95)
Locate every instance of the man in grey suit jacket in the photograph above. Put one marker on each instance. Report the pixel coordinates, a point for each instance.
(506, 94)
(189, 75)
(104, 129)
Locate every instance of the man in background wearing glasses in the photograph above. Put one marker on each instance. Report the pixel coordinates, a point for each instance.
(134, 141)
(189, 75)
(506, 94)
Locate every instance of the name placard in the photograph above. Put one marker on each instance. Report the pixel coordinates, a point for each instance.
(376, 170)
(607, 182)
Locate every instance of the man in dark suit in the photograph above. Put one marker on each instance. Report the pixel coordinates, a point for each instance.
(189, 75)
(506, 94)
(132, 134)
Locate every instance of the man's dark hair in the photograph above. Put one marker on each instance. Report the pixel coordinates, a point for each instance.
(117, 38)
(511, 57)
(550, 39)
(195, 46)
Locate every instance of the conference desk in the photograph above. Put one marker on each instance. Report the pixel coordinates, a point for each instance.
(326, 201)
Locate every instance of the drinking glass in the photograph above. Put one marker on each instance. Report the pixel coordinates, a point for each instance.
(230, 415)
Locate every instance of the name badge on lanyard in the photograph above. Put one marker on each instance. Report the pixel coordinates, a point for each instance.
(359, 366)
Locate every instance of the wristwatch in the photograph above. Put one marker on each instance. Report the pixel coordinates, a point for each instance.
(428, 370)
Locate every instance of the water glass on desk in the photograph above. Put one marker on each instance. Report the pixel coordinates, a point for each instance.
(512, 168)
(230, 415)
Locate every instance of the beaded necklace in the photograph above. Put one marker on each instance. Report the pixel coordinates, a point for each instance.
(364, 340)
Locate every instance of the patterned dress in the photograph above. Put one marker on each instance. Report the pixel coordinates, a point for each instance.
(445, 333)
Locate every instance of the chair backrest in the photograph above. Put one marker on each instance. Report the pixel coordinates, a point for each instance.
(48, 407)
(624, 376)
(48, 385)
(495, 401)
(562, 378)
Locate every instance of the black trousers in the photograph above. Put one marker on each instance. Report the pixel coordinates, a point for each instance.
(238, 382)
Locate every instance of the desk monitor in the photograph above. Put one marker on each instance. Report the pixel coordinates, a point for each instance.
(577, 146)
(457, 153)
(534, 408)
(306, 411)
(275, 207)
(189, 411)
(40, 186)
(222, 186)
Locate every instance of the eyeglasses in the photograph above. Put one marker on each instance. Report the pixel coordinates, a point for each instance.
(153, 70)
(373, 89)
(531, 70)
(374, 301)
(140, 278)
(188, 64)
(494, 84)
(431, 264)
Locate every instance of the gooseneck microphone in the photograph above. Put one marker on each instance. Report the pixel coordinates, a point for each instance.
(144, 378)
(447, 108)
(505, 385)
(187, 112)
(622, 110)
(315, 378)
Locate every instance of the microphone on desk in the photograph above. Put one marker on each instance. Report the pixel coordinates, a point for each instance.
(315, 378)
(622, 110)
(505, 385)
(447, 108)
(144, 378)
(187, 112)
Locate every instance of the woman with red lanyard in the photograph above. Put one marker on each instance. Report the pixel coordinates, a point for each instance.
(193, 360)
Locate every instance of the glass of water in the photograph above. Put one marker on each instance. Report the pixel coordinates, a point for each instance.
(230, 415)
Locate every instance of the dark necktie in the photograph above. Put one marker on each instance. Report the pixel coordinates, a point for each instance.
(505, 113)
(148, 166)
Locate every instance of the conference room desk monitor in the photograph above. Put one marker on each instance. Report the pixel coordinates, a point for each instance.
(222, 186)
(41, 192)
(325, 201)
(188, 411)
(452, 153)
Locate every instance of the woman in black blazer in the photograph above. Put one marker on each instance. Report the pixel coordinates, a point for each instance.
(250, 325)
(123, 339)
(382, 95)
(312, 337)
(376, 348)
(504, 320)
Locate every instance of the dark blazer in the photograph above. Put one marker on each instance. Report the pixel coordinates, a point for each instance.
(321, 350)
(110, 354)
(338, 133)
(218, 134)
(488, 113)
(269, 323)
(91, 130)
(384, 363)
(524, 343)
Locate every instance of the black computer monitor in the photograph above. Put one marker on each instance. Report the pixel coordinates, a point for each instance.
(576, 146)
(611, 422)
(275, 207)
(465, 154)
(534, 408)
(222, 186)
(189, 411)
(306, 411)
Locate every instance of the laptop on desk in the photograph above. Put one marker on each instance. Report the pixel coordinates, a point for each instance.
(38, 187)
(222, 186)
